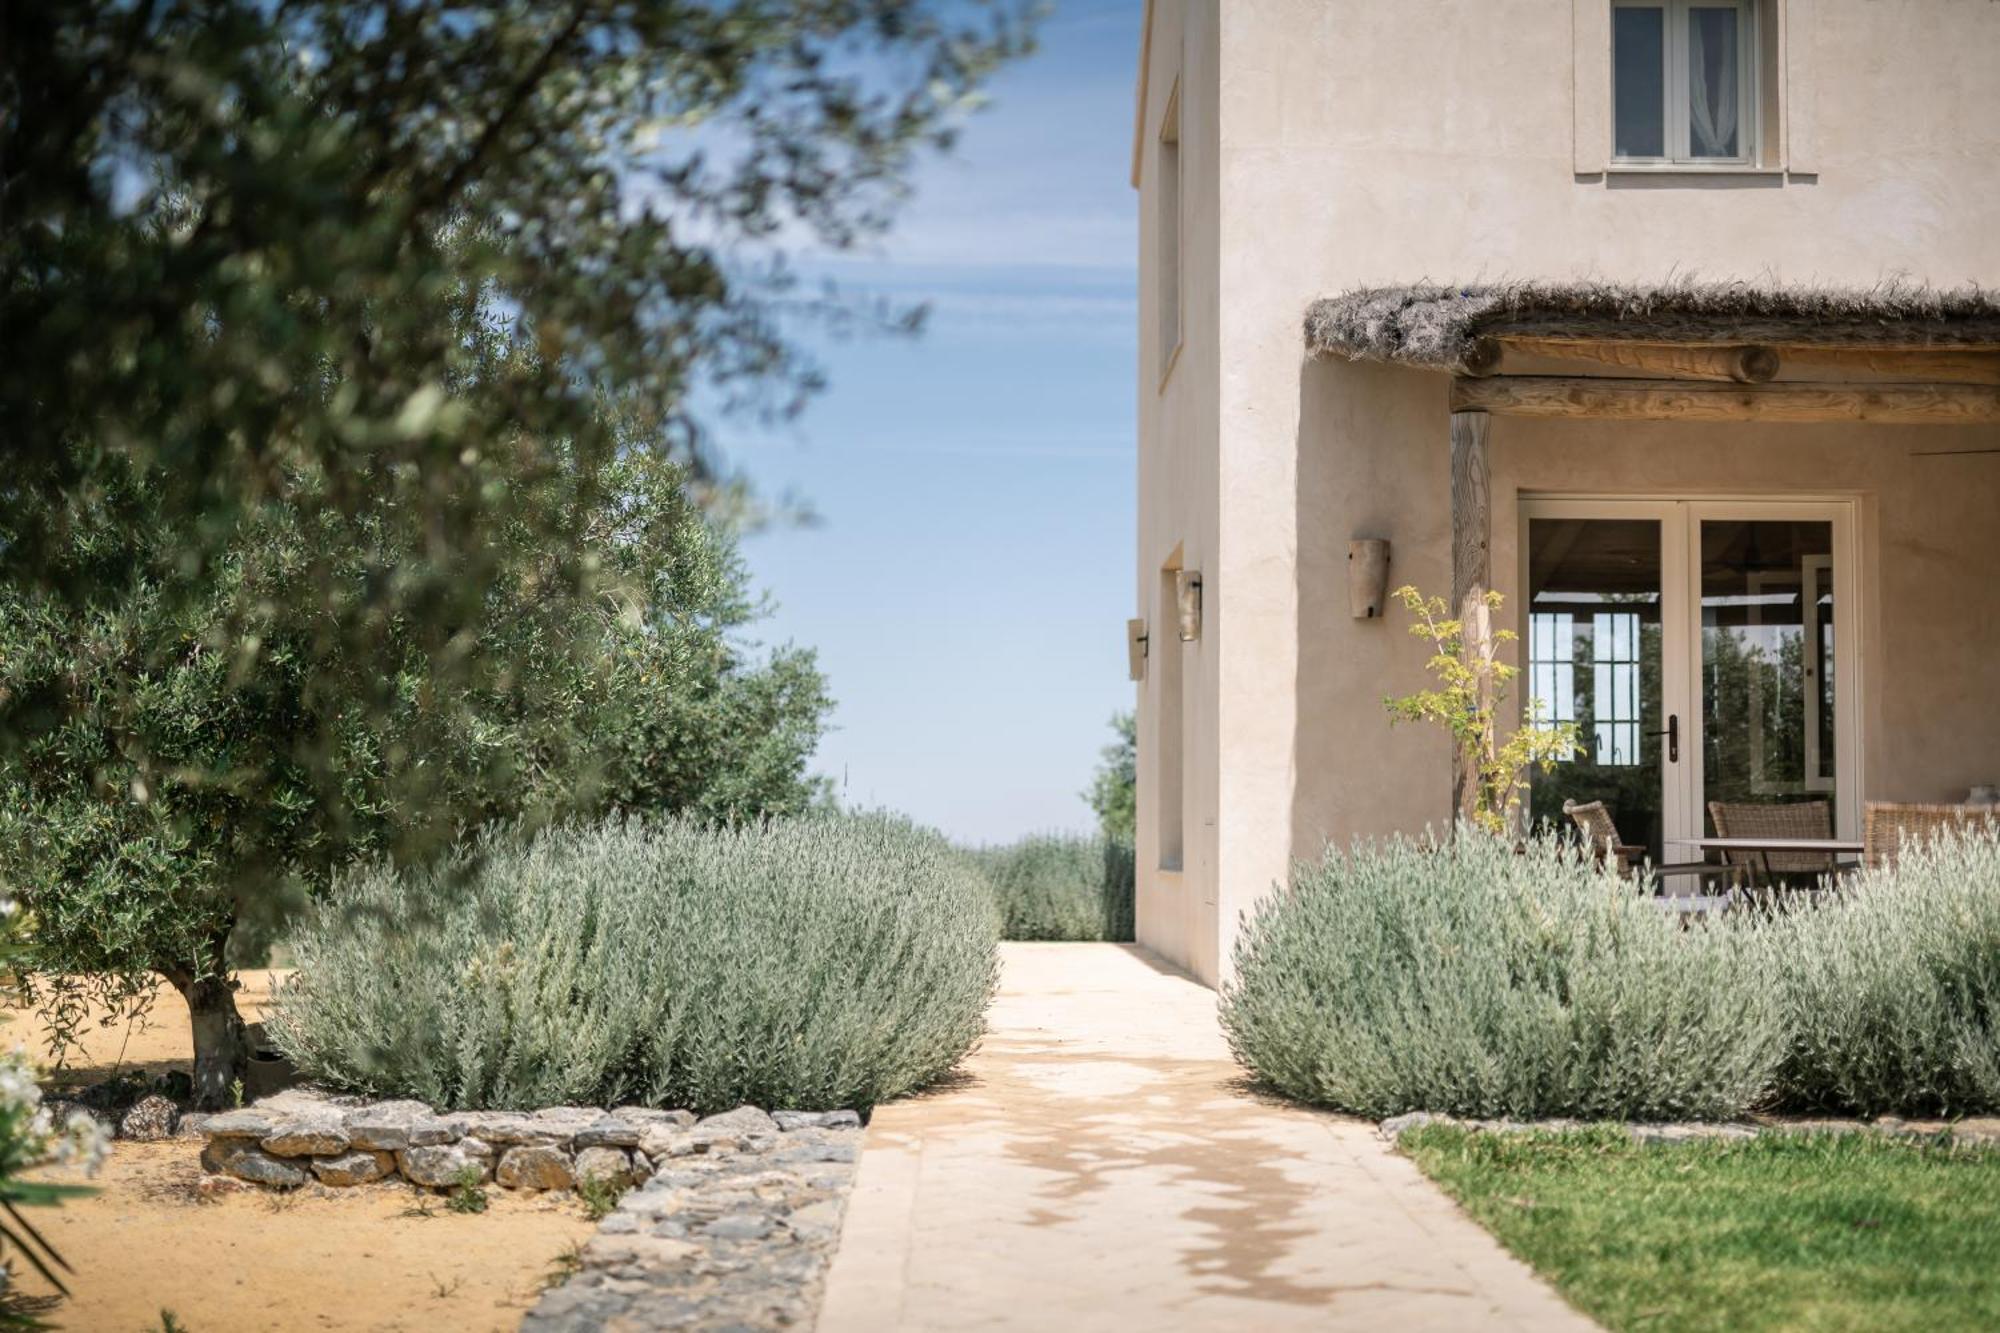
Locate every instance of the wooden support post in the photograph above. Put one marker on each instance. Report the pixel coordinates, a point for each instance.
(1692, 400)
(1470, 573)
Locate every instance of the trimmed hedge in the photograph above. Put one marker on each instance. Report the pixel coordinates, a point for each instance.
(1469, 979)
(813, 963)
(1061, 887)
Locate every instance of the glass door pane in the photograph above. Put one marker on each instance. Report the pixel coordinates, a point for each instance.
(1768, 626)
(1593, 657)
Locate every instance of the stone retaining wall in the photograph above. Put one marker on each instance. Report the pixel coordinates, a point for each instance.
(299, 1137)
(1978, 1132)
(738, 1236)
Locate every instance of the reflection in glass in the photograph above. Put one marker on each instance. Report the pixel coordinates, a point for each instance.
(1767, 639)
(1593, 635)
(1638, 80)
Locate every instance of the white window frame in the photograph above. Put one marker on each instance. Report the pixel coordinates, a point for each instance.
(1676, 110)
(1684, 785)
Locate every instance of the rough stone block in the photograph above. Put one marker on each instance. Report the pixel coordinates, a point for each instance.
(246, 1122)
(314, 1134)
(385, 1126)
(789, 1121)
(359, 1167)
(603, 1163)
(535, 1166)
(149, 1119)
(565, 1121)
(743, 1124)
(844, 1149)
(739, 1226)
(816, 1221)
(609, 1131)
(439, 1166)
(651, 1115)
(304, 1101)
(433, 1132)
(246, 1161)
(500, 1127)
(1398, 1125)
(664, 1142)
(613, 1250)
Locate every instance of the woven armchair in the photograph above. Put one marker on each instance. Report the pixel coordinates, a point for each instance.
(1796, 819)
(1600, 833)
(1886, 826)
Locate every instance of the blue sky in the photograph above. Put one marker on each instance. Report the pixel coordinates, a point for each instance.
(969, 580)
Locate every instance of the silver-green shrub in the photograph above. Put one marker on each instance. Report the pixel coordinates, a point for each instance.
(1062, 887)
(1468, 978)
(811, 963)
(1892, 986)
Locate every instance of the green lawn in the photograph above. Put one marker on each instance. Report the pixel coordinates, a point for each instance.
(1829, 1232)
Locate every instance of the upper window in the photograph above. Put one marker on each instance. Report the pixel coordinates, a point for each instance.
(1167, 261)
(1684, 81)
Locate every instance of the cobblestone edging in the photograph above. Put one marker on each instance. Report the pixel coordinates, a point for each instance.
(299, 1136)
(737, 1235)
(1980, 1132)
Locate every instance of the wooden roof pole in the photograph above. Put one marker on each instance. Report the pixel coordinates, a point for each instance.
(1471, 576)
(1697, 400)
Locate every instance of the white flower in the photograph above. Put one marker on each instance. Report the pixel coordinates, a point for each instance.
(84, 1142)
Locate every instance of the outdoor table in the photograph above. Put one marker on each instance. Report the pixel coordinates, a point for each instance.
(1833, 847)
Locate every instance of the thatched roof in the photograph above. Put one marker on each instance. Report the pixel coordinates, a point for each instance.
(1437, 326)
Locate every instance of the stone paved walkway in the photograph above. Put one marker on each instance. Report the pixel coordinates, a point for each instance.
(1100, 1167)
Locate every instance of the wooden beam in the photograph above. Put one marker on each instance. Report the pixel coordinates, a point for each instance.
(1689, 400)
(1946, 365)
(1471, 533)
(1740, 365)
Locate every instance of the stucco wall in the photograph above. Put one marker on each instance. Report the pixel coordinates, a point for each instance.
(1178, 483)
(1383, 141)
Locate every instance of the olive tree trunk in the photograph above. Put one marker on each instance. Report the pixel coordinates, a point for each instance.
(221, 1043)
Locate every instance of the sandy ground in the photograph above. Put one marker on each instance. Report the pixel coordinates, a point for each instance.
(382, 1257)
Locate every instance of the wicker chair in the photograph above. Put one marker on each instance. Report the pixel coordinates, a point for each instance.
(1600, 832)
(1886, 826)
(1797, 819)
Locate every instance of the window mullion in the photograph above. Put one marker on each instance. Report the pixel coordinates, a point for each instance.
(1680, 147)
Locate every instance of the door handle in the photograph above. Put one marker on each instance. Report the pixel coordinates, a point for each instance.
(1673, 735)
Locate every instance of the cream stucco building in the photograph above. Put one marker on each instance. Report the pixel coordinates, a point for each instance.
(1684, 298)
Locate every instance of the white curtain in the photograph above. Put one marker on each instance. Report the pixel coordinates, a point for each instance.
(1712, 81)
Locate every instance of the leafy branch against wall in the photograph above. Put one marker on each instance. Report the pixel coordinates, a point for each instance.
(1467, 701)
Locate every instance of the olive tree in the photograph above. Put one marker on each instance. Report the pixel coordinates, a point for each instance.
(255, 260)
(326, 333)
(165, 814)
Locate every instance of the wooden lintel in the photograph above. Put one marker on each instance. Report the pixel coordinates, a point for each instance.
(1938, 365)
(1692, 400)
(1742, 364)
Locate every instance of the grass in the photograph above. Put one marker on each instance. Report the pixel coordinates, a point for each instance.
(1830, 1232)
(600, 1196)
(466, 1196)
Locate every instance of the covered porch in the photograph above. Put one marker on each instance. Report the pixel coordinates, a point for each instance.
(1746, 536)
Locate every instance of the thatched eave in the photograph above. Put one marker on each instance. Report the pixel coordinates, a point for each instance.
(1440, 327)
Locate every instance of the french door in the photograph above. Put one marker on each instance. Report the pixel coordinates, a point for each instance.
(1704, 650)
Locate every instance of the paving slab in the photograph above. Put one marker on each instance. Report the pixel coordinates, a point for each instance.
(1101, 1165)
